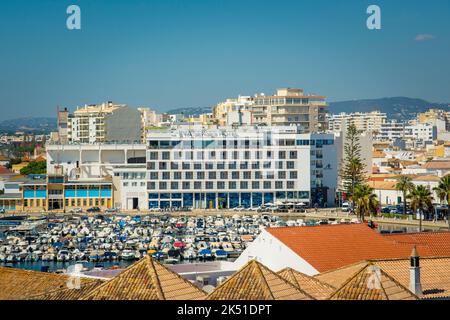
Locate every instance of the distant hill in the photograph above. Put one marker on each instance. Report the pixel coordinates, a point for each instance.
(399, 108)
(29, 125)
(190, 111)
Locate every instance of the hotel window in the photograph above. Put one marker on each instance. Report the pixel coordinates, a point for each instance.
(189, 175)
(258, 175)
(134, 184)
(224, 175)
(200, 175)
(209, 166)
(255, 185)
(290, 184)
(166, 155)
(232, 185)
(281, 174)
(290, 165)
(279, 165)
(220, 166)
(163, 185)
(255, 165)
(293, 155)
(153, 175)
(166, 175)
(279, 185)
(186, 185)
(235, 155)
(293, 175)
(177, 175)
(232, 166)
(125, 184)
(244, 165)
(200, 155)
(267, 185)
(163, 166)
(174, 185)
(209, 185)
(212, 175)
(153, 155)
(282, 154)
(235, 175)
(174, 166)
(212, 155)
(247, 175)
(244, 185)
(269, 154)
(258, 155)
(224, 155)
(221, 185)
(270, 175)
(267, 165)
(197, 185)
(247, 155)
(197, 166)
(186, 166)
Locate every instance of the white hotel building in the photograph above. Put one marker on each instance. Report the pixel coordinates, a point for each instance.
(192, 166)
(248, 167)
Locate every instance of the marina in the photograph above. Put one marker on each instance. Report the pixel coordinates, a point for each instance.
(105, 242)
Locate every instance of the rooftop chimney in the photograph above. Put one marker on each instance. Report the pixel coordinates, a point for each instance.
(414, 273)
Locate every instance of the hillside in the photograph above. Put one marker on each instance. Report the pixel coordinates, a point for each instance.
(29, 125)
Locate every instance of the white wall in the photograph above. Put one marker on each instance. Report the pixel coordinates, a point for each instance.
(274, 254)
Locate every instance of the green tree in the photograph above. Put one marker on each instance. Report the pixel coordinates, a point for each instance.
(443, 193)
(35, 167)
(421, 201)
(352, 168)
(405, 185)
(365, 200)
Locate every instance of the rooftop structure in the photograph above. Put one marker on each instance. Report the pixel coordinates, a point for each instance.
(254, 281)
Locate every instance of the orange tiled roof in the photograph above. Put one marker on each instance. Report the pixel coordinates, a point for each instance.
(19, 284)
(382, 185)
(372, 283)
(434, 274)
(69, 294)
(328, 247)
(316, 288)
(146, 280)
(256, 282)
(4, 170)
(378, 154)
(430, 243)
(437, 165)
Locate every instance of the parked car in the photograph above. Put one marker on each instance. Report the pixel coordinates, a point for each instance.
(76, 210)
(112, 210)
(2, 211)
(93, 209)
(346, 207)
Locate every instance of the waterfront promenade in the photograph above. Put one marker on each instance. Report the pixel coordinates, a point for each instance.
(320, 214)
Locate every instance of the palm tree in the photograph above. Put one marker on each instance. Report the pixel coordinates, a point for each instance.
(421, 200)
(365, 200)
(404, 185)
(443, 193)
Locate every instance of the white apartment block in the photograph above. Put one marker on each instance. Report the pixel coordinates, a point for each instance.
(291, 107)
(248, 167)
(227, 113)
(421, 134)
(391, 130)
(364, 121)
(106, 122)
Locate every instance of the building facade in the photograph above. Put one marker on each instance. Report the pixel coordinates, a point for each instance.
(250, 166)
(364, 121)
(291, 107)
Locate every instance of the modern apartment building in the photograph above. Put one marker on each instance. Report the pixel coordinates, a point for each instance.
(391, 130)
(421, 134)
(248, 166)
(234, 111)
(102, 123)
(364, 121)
(291, 107)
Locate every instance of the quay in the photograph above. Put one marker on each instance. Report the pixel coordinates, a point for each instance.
(320, 214)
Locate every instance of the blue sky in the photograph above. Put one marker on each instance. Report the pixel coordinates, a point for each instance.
(194, 53)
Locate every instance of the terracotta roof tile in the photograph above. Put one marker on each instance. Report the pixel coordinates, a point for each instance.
(328, 247)
(146, 280)
(428, 243)
(69, 294)
(372, 283)
(316, 288)
(256, 282)
(19, 284)
(434, 274)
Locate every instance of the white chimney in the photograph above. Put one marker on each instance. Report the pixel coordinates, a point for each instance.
(414, 273)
